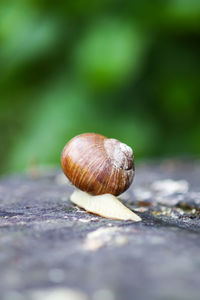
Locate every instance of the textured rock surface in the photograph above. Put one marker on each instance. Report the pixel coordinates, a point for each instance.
(50, 249)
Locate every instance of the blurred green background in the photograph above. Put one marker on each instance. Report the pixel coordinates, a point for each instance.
(125, 69)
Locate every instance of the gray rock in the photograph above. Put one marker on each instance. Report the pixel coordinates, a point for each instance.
(50, 249)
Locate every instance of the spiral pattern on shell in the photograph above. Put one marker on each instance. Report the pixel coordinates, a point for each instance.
(98, 165)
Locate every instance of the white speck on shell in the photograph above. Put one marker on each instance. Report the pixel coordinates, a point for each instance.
(120, 153)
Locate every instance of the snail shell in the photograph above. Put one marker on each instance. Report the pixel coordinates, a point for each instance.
(98, 165)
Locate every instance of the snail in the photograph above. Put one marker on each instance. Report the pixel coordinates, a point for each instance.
(101, 169)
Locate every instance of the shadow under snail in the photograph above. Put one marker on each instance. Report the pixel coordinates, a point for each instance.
(101, 169)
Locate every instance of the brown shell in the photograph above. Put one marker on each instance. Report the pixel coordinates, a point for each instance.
(98, 165)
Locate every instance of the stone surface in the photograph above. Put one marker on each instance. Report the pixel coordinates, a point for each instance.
(50, 249)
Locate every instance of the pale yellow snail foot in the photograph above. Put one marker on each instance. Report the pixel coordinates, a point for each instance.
(107, 206)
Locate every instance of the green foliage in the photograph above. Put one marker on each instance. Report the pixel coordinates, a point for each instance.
(108, 52)
(126, 69)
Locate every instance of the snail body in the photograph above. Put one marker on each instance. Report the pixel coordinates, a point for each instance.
(98, 165)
